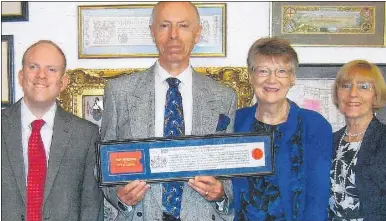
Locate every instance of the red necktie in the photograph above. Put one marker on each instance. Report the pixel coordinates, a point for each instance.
(37, 167)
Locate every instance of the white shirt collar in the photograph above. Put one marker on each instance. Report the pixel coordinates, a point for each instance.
(28, 117)
(161, 75)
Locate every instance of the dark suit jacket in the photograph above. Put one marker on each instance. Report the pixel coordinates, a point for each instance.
(71, 192)
(129, 114)
(370, 171)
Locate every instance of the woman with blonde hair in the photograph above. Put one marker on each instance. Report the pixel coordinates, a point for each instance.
(358, 174)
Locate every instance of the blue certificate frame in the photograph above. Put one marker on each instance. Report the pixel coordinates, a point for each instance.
(154, 159)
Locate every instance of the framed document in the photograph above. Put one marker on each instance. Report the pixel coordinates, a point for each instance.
(14, 11)
(7, 72)
(330, 23)
(118, 31)
(180, 158)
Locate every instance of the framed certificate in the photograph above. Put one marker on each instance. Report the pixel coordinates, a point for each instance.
(119, 31)
(330, 23)
(180, 158)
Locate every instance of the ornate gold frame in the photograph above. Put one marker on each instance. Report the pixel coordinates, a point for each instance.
(92, 81)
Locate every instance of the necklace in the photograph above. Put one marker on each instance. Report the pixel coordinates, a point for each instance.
(353, 135)
(340, 150)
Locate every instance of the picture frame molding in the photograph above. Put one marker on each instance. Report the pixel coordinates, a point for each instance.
(10, 70)
(23, 16)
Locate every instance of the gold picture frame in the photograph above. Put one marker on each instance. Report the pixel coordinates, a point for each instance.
(330, 23)
(91, 82)
(122, 31)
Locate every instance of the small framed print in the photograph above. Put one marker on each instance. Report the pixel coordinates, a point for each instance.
(7, 70)
(14, 11)
(93, 108)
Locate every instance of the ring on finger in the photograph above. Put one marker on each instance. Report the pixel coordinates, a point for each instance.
(206, 193)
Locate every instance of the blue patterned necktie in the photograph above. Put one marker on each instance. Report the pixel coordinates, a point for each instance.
(173, 126)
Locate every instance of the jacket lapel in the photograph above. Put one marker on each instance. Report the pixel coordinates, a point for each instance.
(14, 148)
(59, 145)
(368, 147)
(205, 115)
(141, 106)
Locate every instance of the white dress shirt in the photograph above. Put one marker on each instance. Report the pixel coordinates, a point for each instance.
(27, 117)
(161, 87)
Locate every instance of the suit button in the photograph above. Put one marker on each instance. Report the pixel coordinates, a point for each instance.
(22, 217)
(139, 214)
(213, 217)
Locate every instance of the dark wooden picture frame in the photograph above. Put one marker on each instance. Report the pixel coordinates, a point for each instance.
(22, 16)
(7, 71)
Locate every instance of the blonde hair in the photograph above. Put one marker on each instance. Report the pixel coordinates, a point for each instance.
(367, 70)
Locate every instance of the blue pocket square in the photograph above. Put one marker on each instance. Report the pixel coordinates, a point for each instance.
(223, 122)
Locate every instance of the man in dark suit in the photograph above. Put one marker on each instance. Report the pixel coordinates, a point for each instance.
(136, 107)
(47, 154)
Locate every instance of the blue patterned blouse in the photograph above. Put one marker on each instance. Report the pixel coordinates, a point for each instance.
(299, 189)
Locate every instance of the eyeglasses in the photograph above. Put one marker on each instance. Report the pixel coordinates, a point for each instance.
(362, 86)
(265, 72)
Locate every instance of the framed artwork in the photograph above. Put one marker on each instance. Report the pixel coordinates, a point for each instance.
(330, 23)
(7, 70)
(93, 108)
(14, 11)
(120, 31)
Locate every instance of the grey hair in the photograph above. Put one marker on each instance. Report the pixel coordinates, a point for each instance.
(273, 47)
(153, 13)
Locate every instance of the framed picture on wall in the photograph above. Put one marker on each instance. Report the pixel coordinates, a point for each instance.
(7, 70)
(330, 23)
(93, 108)
(120, 31)
(14, 11)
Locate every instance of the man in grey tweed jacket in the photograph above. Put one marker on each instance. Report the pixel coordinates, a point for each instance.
(134, 106)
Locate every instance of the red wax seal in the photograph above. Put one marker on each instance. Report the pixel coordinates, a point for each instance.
(257, 153)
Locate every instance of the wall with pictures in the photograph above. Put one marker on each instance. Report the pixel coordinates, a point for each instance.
(246, 22)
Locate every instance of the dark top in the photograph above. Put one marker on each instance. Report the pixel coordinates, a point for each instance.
(299, 189)
(370, 171)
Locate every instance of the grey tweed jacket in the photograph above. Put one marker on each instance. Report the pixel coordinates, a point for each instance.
(71, 191)
(129, 114)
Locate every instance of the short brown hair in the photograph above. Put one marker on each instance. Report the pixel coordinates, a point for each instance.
(273, 47)
(367, 70)
(45, 42)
